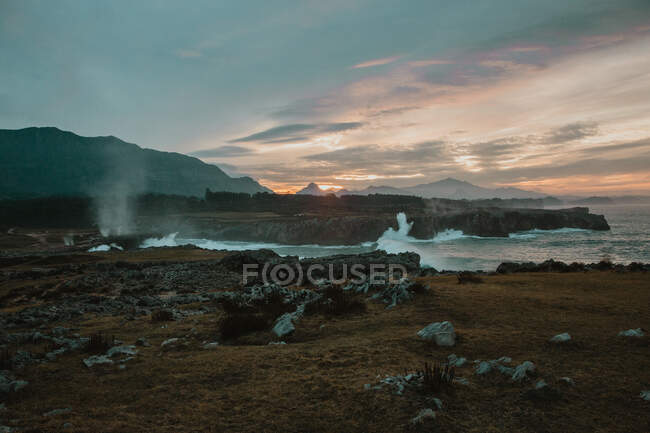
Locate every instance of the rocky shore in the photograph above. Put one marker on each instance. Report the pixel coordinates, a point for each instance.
(355, 229)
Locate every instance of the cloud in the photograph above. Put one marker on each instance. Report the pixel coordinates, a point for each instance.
(430, 62)
(188, 54)
(375, 62)
(374, 156)
(571, 132)
(296, 132)
(222, 152)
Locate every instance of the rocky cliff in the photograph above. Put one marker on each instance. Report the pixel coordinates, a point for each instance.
(348, 230)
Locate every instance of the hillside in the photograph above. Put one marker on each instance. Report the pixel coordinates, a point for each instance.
(38, 162)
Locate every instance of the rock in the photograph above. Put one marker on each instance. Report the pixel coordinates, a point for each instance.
(284, 325)
(438, 402)
(51, 356)
(455, 361)
(638, 332)
(67, 425)
(423, 416)
(567, 381)
(561, 338)
(273, 343)
(645, 395)
(542, 391)
(97, 359)
(169, 342)
(441, 332)
(58, 412)
(212, 345)
(142, 342)
(522, 370)
(484, 367)
(5, 429)
(121, 350)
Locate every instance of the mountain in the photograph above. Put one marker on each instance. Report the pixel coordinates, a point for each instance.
(452, 189)
(39, 162)
(383, 189)
(458, 189)
(312, 189)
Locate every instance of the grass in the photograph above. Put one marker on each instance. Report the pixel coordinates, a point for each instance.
(316, 384)
(437, 376)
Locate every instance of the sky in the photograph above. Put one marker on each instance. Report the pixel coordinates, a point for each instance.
(543, 95)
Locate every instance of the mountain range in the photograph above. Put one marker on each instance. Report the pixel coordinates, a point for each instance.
(38, 162)
(446, 188)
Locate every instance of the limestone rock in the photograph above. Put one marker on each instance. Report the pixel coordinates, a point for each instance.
(441, 332)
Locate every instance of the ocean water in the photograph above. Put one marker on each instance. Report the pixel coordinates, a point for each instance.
(627, 241)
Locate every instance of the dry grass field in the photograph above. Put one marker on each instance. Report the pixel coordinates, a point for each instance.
(315, 383)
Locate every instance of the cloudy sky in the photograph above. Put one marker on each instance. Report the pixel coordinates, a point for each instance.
(545, 95)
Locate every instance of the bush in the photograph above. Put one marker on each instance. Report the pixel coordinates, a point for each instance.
(162, 316)
(336, 302)
(99, 343)
(468, 277)
(6, 361)
(236, 325)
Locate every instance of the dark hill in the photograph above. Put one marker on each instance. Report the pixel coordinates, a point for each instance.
(38, 162)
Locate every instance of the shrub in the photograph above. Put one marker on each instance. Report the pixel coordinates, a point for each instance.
(6, 361)
(236, 325)
(99, 343)
(437, 377)
(162, 316)
(336, 302)
(468, 277)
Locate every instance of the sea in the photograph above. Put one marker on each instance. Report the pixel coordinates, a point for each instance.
(627, 241)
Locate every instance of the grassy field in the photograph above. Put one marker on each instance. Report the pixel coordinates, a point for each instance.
(315, 383)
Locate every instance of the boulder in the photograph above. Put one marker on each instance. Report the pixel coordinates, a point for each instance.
(561, 338)
(638, 332)
(284, 325)
(55, 412)
(121, 350)
(212, 345)
(456, 361)
(522, 370)
(441, 332)
(97, 359)
(645, 395)
(423, 416)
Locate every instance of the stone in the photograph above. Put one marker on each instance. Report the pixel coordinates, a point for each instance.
(522, 370)
(441, 332)
(284, 325)
(638, 332)
(542, 391)
(455, 361)
(212, 345)
(561, 338)
(97, 359)
(121, 350)
(168, 342)
(438, 402)
(58, 412)
(423, 416)
(142, 342)
(645, 395)
(51, 356)
(484, 367)
(567, 381)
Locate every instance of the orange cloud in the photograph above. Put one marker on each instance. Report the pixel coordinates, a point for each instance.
(376, 62)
